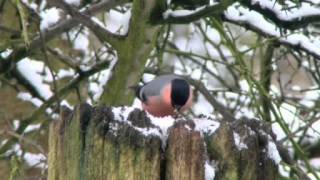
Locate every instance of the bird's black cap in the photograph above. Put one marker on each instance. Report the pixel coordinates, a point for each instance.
(180, 92)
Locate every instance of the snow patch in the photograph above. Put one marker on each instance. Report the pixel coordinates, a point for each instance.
(116, 21)
(205, 125)
(25, 96)
(32, 70)
(98, 80)
(241, 14)
(35, 160)
(162, 124)
(81, 41)
(73, 2)
(63, 73)
(49, 17)
(182, 12)
(273, 152)
(121, 114)
(5, 53)
(209, 171)
(315, 162)
(238, 142)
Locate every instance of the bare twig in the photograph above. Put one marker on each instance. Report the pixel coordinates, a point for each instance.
(61, 93)
(19, 53)
(64, 59)
(102, 33)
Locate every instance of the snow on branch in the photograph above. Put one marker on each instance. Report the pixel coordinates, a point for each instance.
(19, 53)
(254, 21)
(264, 17)
(101, 32)
(290, 16)
(187, 16)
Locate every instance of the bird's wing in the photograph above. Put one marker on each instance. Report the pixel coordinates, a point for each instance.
(154, 87)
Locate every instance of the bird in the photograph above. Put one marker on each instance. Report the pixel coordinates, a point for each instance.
(166, 95)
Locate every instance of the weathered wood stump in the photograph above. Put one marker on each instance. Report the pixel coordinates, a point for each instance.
(113, 144)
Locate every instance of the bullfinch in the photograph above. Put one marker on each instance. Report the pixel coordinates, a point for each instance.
(165, 95)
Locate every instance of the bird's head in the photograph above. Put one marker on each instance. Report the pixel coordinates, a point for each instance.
(180, 92)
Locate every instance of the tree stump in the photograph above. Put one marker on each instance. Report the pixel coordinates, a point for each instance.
(106, 143)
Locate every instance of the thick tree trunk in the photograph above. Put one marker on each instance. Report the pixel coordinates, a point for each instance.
(93, 143)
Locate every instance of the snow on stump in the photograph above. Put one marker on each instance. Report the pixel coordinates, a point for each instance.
(124, 143)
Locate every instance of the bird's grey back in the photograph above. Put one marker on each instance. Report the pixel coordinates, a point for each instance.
(154, 87)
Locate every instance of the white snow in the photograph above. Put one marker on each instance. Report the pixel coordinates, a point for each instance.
(315, 162)
(148, 77)
(81, 41)
(96, 20)
(37, 160)
(239, 142)
(176, 13)
(212, 2)
(305, 63)
(125, 21)
(63, 73)
(32, 5)
(257, 21)
(296, 88)
(314, 1)
(273, 152)
(73, 2)
(32, 127)
(213, 34)
(204, 125)
(15, 124)
(99, 80)
(289, 115)
(32, 70)
(303, 10)
(25, 96)
(66, 103)
(5, 53)
(122, 113)
(116, 22)
(182, 12)
(313, 133)
(163, 123)
(79, 38)
(310, 97)
(202, 106)
(17, 149)
(49, 17)
(209, 171)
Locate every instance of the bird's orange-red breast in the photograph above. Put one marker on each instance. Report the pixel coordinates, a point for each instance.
(165, 95)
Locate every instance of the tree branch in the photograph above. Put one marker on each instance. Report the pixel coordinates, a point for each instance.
(215, 10)
(280, 40)
(280, 18)
(61, 93)
(22, 80)
(21, 52)
(102, 33)
(265, 78)
(132, 54)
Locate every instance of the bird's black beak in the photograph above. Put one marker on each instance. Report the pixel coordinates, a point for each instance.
(177, 108)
